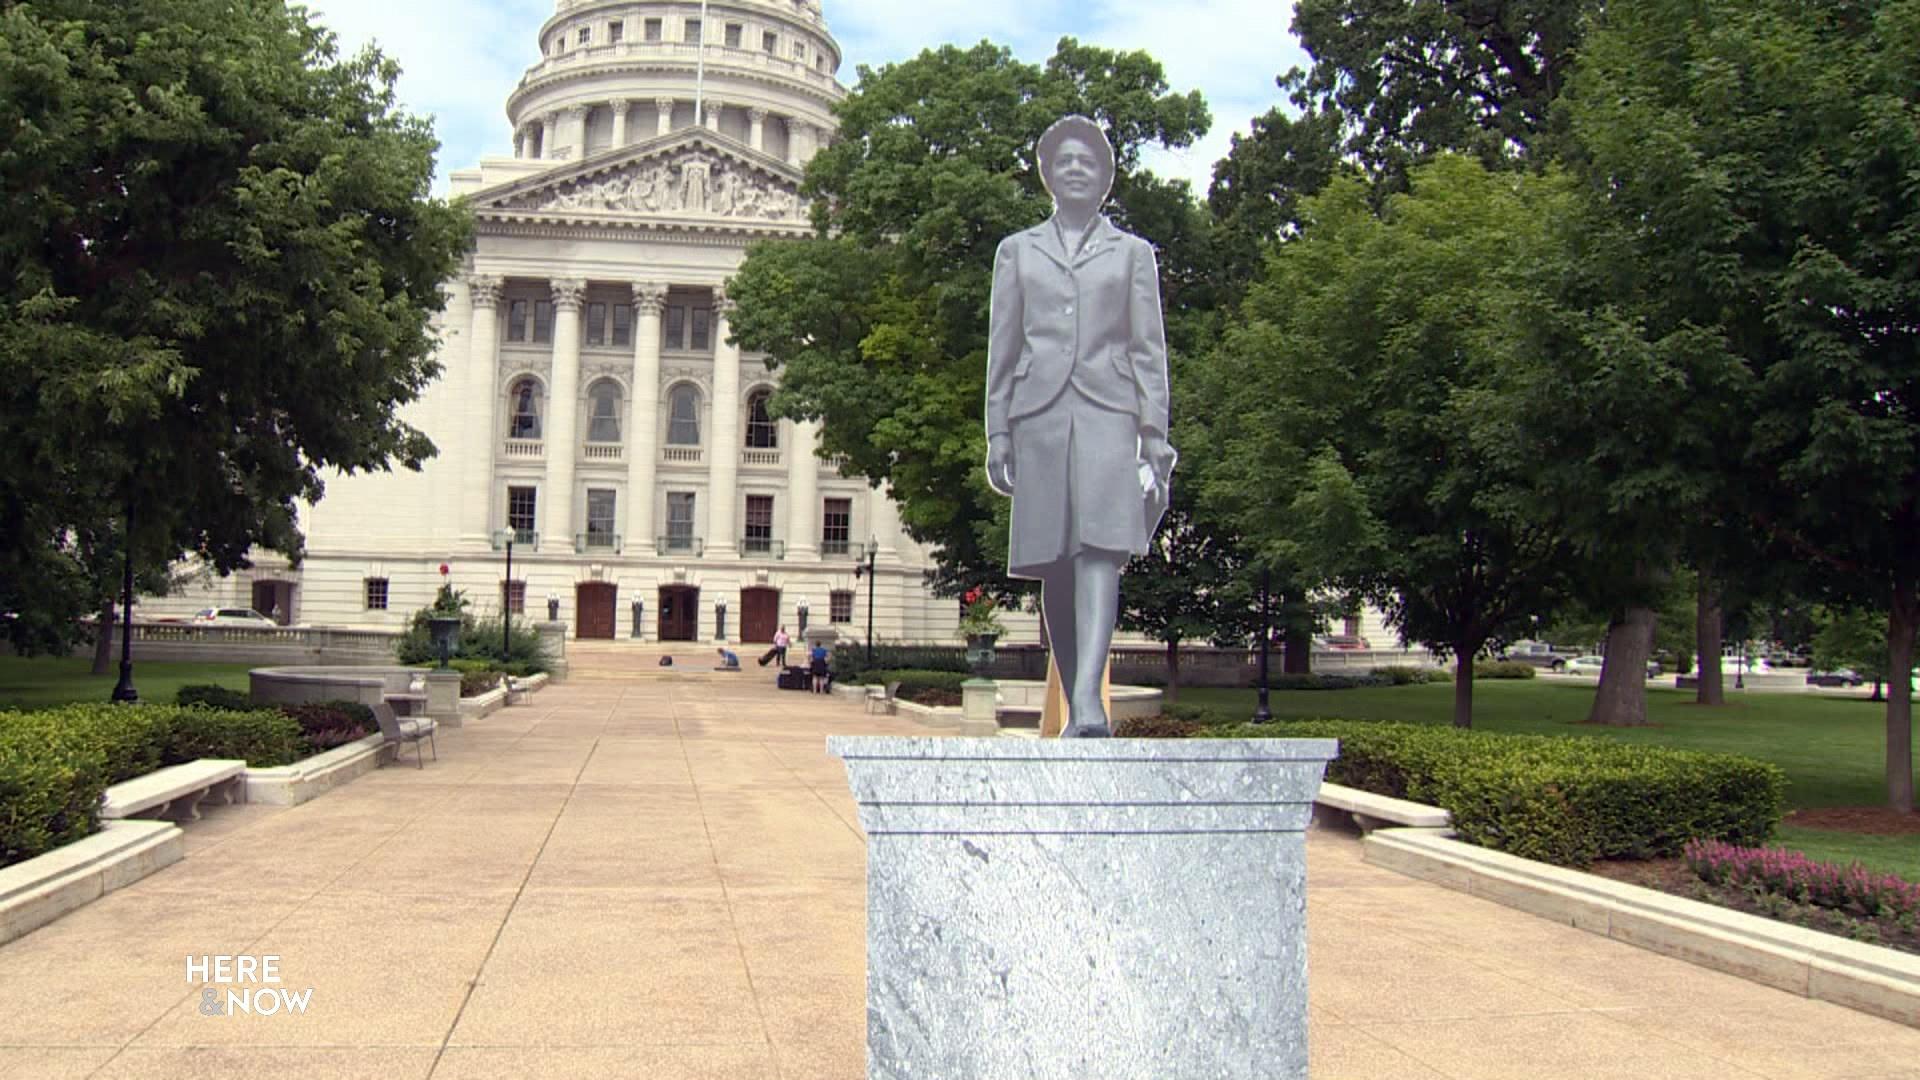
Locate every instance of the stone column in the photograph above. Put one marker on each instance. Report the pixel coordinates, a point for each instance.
(550, 137)
(619, 106)
(576, 136)
(483, 390)
(643, 425)
(723, 466)
(803, 488)
(1173, 876)
(757, 137)
(883, 521)
(665, 105)
(519, 142)
(562, 415)
(712, 118)
(796, 129)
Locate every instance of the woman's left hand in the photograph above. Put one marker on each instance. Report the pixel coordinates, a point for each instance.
(1160, 457)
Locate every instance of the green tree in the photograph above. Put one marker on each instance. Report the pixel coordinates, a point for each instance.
(1758, 156)
(1370, 458)
(1417, 77)
(1856, 639)
(879, 322)
(218, 262)
(1259, 186)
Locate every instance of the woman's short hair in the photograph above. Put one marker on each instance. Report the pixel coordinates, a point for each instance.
(1074, 127)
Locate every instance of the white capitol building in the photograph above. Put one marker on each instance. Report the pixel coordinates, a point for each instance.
(590, 403)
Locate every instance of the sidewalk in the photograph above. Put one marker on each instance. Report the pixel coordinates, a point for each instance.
(661, 878)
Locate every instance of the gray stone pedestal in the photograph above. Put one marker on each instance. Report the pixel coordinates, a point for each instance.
(443, 697)
(1119, 909)
(553, 642)
(980, 707)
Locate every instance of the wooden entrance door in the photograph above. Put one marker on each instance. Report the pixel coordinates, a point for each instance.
(679, 613)
(274, 599)
(596, 603)
(759, 615)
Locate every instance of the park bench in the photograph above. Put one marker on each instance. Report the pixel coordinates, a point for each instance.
(410, 729)
(1370, 811)
(174, 793)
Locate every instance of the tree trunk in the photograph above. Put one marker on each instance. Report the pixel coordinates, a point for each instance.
(103, 640)
(1905, 615)
(1463, 654)
(1296, 649)
(1709, 641)
(1173, 670)
(1622, 698)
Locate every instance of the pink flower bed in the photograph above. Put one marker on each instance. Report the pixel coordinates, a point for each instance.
(1793, 875)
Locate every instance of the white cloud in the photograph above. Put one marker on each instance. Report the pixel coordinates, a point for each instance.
(462, 58)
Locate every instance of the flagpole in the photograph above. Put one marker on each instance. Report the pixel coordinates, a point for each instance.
(700, 72)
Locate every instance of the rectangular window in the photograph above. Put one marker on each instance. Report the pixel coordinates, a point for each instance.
(733, 35)
(770, 42)
(702, 324)
(1352, 625)
(586, 35)
(836, 527)
(513, 596)
(759, 538)
(800, 51)
(517, 320)
(673, 328)
(376, 594)
(600, 517)
(623, 324)
(693, 32)
(543, 320)
(679, 520)
(652, 30)
(840, 606)
(596, 324)
(615, 32)
(520, 513)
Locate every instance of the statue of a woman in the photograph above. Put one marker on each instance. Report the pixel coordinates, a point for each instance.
(1077, 408)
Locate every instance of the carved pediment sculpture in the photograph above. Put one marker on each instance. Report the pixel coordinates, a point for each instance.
(697, 183)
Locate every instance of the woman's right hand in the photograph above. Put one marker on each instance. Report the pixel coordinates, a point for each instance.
(1000, 464)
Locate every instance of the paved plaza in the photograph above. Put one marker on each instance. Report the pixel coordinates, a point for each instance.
(636, 876)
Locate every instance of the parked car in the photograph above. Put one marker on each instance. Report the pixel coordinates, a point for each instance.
(230, 616)
(1837, 677)
(1346, 643)
(1537, 653)
(1591, 665)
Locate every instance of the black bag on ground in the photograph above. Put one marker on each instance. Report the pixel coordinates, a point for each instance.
(794, 678)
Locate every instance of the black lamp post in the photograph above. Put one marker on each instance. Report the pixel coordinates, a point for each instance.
(1262, 714)
(872, 545)
(123, 691)
(504, 538)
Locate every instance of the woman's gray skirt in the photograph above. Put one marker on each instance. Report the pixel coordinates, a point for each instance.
(1076, 471)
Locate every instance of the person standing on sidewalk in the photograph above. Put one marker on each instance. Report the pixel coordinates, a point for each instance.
(780, 643)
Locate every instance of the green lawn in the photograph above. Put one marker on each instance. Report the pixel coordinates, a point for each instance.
(1831, 748)
(31, 684)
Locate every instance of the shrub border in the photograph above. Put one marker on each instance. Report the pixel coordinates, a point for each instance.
(1811, 963)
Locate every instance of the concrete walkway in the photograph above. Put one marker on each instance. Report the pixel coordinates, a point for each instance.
(661, 878)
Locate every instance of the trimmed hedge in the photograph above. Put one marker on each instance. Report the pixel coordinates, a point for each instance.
(1503, 669)
(329, 724)
(214, 697)
(911, 680)
(919, 658)
(1566, 800)
(55, 764)
(1407, 675)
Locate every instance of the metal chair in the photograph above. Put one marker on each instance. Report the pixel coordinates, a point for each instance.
(410, 729)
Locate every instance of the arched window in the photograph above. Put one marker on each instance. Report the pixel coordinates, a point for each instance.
(762, 432)
(683, 418)
(603, 412)
(523, 407)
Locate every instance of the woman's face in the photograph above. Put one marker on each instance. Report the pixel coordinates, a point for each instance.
(1076, 175)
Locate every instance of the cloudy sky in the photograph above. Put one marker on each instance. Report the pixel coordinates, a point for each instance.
(463, 57)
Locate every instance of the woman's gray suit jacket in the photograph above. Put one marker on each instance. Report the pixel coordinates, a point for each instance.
(1076, 374)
